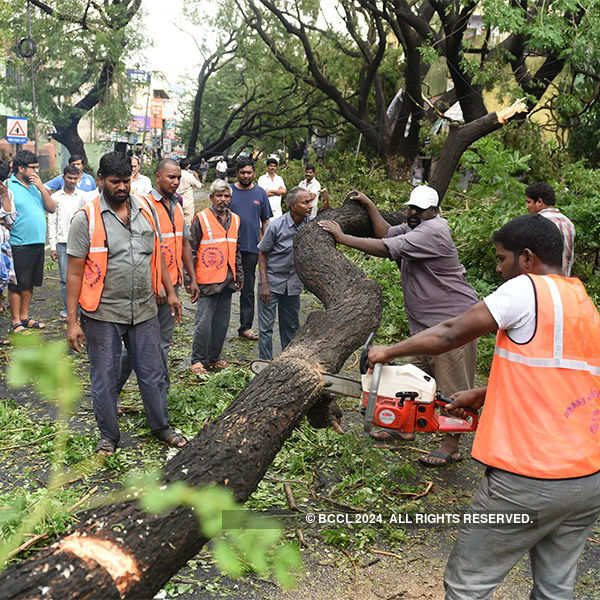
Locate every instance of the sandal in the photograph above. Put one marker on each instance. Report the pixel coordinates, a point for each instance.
(446, 458)
(198, 369)
(17, 328)
(249, 335)
(105, 447)
(169, 437)
(390, 435)
(32, 324)
(218, 365)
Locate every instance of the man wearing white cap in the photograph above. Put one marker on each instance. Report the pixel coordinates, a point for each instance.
(434, 286)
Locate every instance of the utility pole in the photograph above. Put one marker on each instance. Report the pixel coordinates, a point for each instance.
(149, 80)
(33, 97)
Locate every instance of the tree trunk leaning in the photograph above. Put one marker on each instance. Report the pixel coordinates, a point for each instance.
(120, 552)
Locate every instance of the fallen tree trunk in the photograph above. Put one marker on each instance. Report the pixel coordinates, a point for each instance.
(119, 551)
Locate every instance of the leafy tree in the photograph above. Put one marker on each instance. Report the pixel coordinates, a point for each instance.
(78, 64)
(243, 96)
(373, 60)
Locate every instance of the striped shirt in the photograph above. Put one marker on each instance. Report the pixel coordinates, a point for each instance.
(567, 230)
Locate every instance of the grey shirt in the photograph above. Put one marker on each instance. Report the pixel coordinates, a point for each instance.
(278, 246)
(171, 204)
(128, 295)
(433, 279)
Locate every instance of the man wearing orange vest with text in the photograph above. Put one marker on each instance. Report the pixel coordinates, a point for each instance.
(176, 253)
(115, 270)
(539, 433)
(219, 273)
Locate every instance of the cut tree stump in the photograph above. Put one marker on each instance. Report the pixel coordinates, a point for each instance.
(119, 551)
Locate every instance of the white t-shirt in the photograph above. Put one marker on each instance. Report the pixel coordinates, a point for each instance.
(513, 307)
(141, 186)
(60, 220)
(266, 183)
(314, 187)
(221, 167)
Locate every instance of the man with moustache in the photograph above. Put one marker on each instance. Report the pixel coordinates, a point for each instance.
(219, 273)
(115, 271)
(27, 237)
(544, 466)
(435, 289)
(69, 199)
(312, 185)
(176, 252)
(86, 182)
(280, 287)
(274, 185)
(251, 203)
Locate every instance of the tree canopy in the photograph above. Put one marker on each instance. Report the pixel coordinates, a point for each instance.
(374, 61)
(81, 47)
(243, 96)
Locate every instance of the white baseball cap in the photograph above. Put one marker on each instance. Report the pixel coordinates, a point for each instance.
(424, 197)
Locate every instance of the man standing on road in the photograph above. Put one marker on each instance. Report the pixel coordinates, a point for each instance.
(221, 169)
(539, 430)
(312, 185)
(219, 273)
(140, 184)
(68, 201)
(280, 287)
(189, 182)
(541, 199)
(115, 271)
(274, 186)
(203, 168)
(176, 252)
(435, 289)
(250, 203)
(86, 182)
(27, 236)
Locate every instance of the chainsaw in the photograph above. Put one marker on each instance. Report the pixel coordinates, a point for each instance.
(397, 397)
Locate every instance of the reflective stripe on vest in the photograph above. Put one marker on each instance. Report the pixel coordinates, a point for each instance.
(541, 416)
(172, 238)
(217, 249)
(96, 262)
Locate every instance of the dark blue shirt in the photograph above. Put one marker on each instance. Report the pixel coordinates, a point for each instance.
(253, 208)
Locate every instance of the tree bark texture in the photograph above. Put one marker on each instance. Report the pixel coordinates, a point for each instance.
(119, 551)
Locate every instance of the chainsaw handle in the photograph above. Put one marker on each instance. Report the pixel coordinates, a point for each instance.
(370, 412)
(364, 355)
(441, 400)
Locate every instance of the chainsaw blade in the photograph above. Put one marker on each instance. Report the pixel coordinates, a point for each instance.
(332, 384)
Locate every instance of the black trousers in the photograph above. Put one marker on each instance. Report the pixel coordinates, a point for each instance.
(249, 262)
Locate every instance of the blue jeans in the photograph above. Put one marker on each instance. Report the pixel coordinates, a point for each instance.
(289, 311)
(104, 341)
(61, 254)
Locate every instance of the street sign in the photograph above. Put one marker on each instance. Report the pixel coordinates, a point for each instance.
(16, 130)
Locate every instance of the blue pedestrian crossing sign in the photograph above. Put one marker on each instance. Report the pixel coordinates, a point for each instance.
(16, 130)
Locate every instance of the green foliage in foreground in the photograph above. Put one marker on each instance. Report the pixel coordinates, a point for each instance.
(45, 511)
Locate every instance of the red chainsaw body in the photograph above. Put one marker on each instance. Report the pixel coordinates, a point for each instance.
(407, 401)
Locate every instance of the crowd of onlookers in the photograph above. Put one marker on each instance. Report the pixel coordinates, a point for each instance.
(125, 245)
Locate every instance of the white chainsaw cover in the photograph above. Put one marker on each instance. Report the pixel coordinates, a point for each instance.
(402, 378)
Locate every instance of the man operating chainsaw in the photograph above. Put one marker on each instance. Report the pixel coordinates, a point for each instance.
(539, 431)
(435, 289)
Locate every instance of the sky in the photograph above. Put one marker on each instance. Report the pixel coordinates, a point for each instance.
(174, 52)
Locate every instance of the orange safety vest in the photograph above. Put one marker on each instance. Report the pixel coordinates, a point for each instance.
(217, 248)
(541, 416)
(172, 238)
(96, 262)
